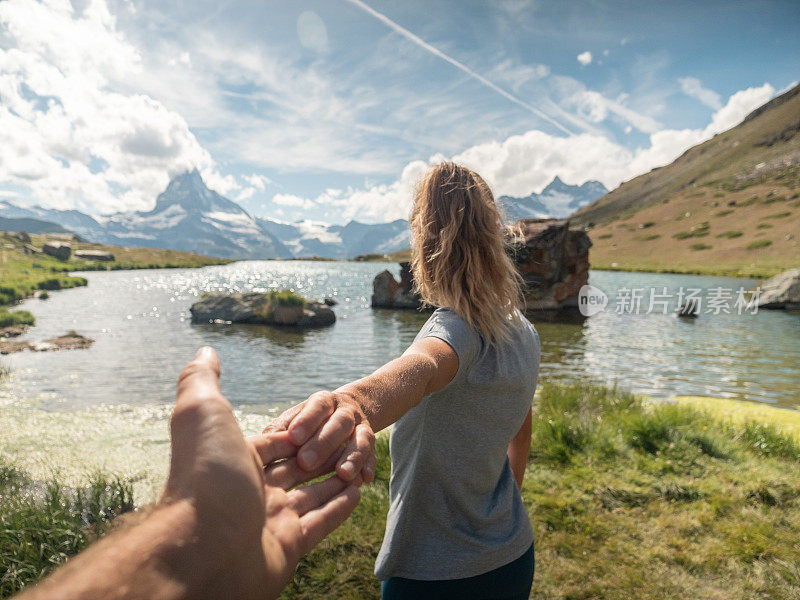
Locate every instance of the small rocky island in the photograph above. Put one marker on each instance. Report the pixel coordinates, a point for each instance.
(262, 308)
(71, 340)
(552, 259)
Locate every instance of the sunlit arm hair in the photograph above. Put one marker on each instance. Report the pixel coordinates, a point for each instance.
(458, 252)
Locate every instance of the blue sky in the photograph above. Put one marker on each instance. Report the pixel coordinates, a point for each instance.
(331, 109)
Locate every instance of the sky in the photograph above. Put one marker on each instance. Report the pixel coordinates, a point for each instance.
(332, 110)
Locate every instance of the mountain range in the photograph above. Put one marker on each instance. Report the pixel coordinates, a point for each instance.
(189, 216)
(558, 199)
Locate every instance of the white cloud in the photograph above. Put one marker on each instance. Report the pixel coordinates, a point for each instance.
(66, 131)
(525, 163)
(260, 182)
(585, 58)
(293, 201)
(693, 87)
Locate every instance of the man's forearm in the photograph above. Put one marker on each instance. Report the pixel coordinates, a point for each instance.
(155, 559)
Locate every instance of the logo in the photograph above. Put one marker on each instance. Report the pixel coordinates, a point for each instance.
(591, 300)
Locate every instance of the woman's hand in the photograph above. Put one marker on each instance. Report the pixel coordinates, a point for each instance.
(330, 431)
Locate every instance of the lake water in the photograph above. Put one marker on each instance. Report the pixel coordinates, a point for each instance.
(140, 320)
(112, 400)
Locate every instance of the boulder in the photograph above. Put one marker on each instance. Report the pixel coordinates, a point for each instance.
(29, 249)
(23, 237)
(59, 250)
(257, 308)
(387, 292)
(781, 291)
(689, 309)
(330, 302)
(553, 261)
(98, 255)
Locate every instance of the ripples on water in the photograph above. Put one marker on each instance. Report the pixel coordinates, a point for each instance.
(140, 320)
(107, 407)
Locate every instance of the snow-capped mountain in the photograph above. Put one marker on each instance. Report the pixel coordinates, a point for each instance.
(189, 216)
(558, 199)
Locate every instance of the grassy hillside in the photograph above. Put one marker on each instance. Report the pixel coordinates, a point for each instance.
(21, 274)
(730, 205)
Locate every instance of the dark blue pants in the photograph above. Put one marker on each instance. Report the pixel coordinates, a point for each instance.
(510, 582)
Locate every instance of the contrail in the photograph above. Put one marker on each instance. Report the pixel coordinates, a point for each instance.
(461, 66)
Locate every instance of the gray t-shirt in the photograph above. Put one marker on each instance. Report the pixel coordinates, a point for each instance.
(455, 508)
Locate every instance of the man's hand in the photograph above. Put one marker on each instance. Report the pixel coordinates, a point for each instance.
(330, 431)
(222, 476)
(224, 527)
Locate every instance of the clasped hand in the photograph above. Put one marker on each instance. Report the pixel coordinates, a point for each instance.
(328, 432)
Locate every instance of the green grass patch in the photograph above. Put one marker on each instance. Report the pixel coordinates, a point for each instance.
(605, 236)
(16, 317)
(285, 298)
(765, 226)
(700, 247)
(776, 198)
(780, 215)
(701, 230)
(758, 244)
(646, 225)
(44, 523)
(649, 238)
(724, 213)
(629, 500)
(730, 234)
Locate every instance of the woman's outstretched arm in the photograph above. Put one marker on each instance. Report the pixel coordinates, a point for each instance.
(350, 415)
(519, 448)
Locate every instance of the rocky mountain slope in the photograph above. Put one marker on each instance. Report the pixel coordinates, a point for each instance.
(558, 199)
(729, 205)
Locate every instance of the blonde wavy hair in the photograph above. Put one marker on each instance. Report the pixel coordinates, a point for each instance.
(458, 254)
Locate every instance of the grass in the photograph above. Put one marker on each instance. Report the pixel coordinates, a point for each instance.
(285, 298)
(700, 247)
(42, 524)
(732, 227)
(17, 317)
(629, 499)
(23, 274)
(759, 244)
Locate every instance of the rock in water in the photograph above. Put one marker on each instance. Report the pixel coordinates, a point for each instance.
(69, 341)
(689, 308)
(257, 308)
(781, 291)
(387, 292)
(553, 261)
(59, 250)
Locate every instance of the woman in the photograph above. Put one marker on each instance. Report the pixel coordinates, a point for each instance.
(460, 401)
